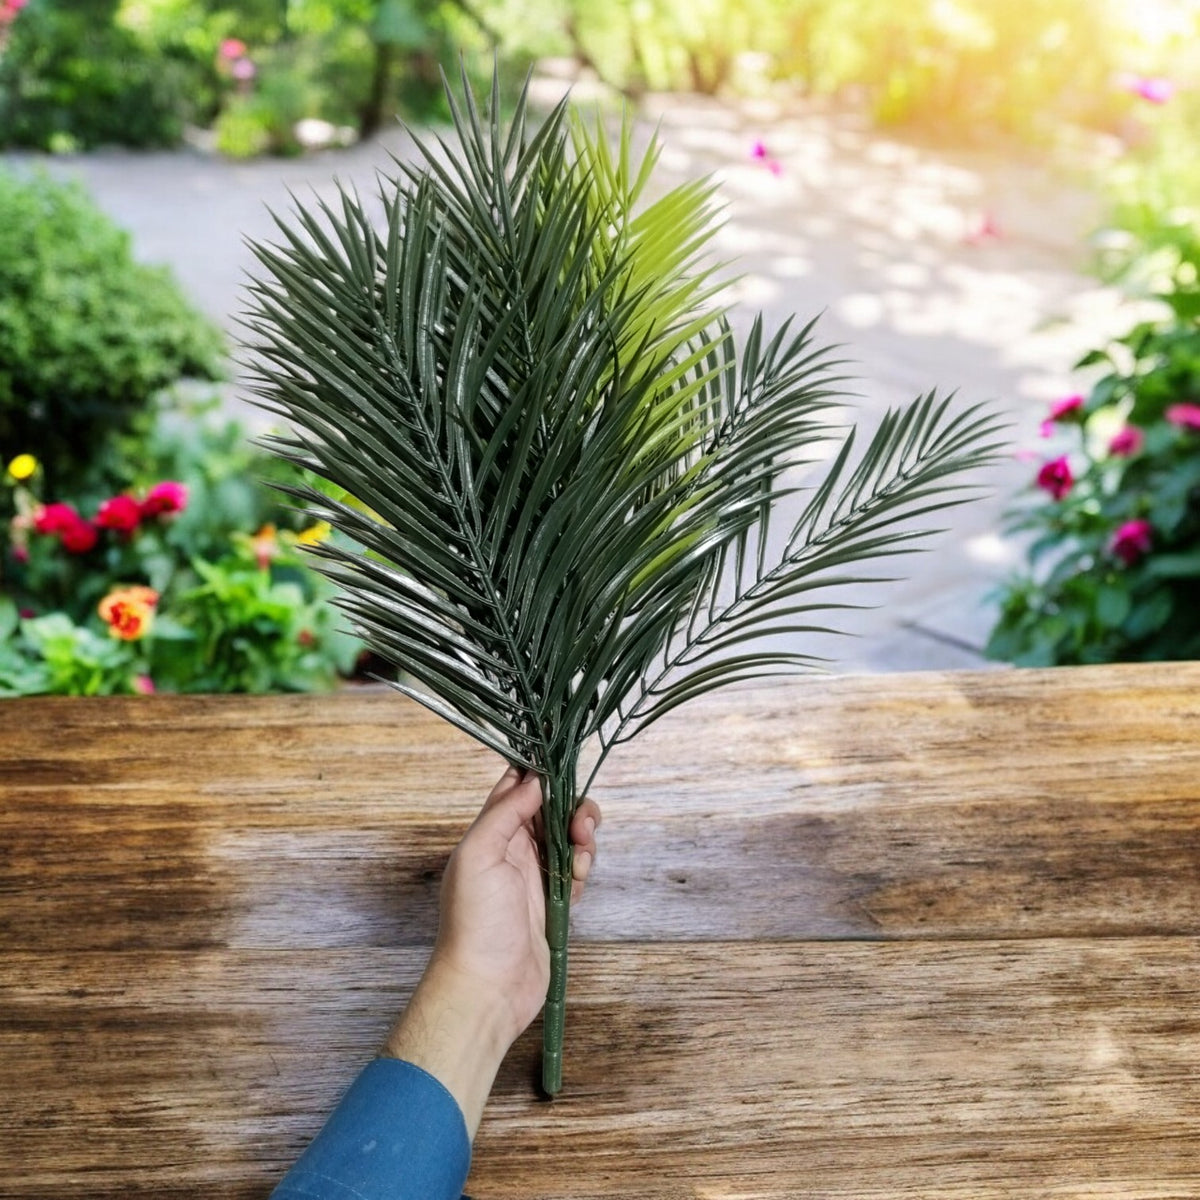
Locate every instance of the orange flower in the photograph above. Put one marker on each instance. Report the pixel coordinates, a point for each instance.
(265, 546)
(128, 612)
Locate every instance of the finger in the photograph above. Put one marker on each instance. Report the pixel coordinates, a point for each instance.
(511, 777)
(504, 815)
(580, 869)
(584, 824)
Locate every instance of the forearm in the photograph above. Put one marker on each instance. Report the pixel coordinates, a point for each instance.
(454, 1032)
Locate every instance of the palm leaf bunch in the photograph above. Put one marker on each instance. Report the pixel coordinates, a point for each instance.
(559, 468)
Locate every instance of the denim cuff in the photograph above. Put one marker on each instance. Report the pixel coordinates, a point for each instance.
(397, 1134)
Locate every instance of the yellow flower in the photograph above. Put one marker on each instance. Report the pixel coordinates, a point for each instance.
(314, 534)
(22, 467)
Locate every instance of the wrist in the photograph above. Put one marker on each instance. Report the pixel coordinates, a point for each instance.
(456, 1033)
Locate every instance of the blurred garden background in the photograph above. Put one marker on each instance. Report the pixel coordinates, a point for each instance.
(995, 196)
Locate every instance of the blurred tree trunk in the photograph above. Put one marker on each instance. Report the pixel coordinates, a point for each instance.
(371, 117)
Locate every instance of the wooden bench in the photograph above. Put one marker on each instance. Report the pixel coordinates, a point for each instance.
(924, 936)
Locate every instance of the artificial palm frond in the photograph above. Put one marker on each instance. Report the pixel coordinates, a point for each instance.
(560, 467)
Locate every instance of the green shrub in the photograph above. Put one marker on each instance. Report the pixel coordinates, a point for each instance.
(87, 334)
(1115, 565)
(243, 130)
(72, 79)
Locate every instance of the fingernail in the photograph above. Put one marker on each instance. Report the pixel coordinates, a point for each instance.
(583, 862)
(589, 827)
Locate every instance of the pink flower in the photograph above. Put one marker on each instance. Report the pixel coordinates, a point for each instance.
(244, 69)
(1155, 90)
(232, 48)
(163, 498)
(62, 521)
(759, 150)
(1131, 541)
(1127, 442)
(1069, 408)
(122, 513)
(1055, 477)
(144, 685)
(984, 229)
(80, 537)
(55, 518)
(1186, 416)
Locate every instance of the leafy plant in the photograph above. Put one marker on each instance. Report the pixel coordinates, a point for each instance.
(72, 79)
(1115, 560)
(175, 568)
(565, 469)
(87, 334)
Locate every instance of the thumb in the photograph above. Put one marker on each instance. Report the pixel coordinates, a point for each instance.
(505, 814)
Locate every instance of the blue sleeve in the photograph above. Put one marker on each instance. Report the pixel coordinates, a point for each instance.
(397, 1134)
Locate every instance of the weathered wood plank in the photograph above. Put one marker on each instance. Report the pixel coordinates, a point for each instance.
(774, 1070)
(211, 908)
(1018, 804)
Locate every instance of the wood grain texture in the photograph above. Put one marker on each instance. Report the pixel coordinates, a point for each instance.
(927, 936)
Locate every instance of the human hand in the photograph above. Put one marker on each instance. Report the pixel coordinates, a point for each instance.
(490, 968)
(493, 911)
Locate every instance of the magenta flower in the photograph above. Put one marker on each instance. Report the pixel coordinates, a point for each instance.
(1127, 442)
(758, 150)
(1069, 408)
(1055, 477)
(163, 498)
(1157, 91)
(143, 685)
(985, 228)
(122, 513)
(56, 519)
(232, 48)
(1186, 416)
(1131, 541)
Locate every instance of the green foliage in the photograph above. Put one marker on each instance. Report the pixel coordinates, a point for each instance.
(52, 656)
(565, 468)
(238, 608)
(1094, 594)
(243, 129)
(71, 79)
(968, 68)
(87, 334)
(243, 628)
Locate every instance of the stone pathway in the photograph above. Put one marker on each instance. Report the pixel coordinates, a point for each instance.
(892, 243)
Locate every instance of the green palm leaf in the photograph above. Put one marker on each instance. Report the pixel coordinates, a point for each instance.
(560, 468)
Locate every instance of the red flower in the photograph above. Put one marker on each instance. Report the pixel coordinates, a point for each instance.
(56, 519)
(80, 537)
(1127, 442)
(122, 513)
(1069, 408)
(62, 521)
(1186, 416)
(165, 497)
(1055, 477)
(1131, 541)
